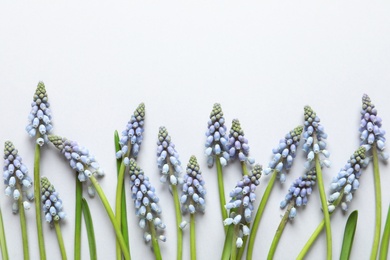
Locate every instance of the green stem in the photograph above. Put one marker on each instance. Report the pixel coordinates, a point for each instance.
(77, 226)
(244, 169)
(279, 231)
(111, 215)
(192, 237)
(60, 240)
(3, 242)
(385, 239)
(324, 204)
(259, 214)
(227, 246)
(378, 203)
(23, 225)
(37, 196)
(118, 204)
(178, 222)
(90, 230)
(156, 246)
(221, 189)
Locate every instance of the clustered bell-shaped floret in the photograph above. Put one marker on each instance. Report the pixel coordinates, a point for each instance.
(284, 154)
(299, 192)
(131, 138)
(193, 199)
(18, 182)
(217, 137)
(238, 144)
(51, 203)
(168, 159)
(79, 159)
(347, 180)
(145, 201)
(315, 139)
(370, 127)
(240, 206)
(40, 116)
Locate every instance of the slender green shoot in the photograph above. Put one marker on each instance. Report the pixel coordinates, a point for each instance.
(60, 240)
(178, 222)
(324, 204)
(3, 242)
(111, 215)
(192, 237)
(77, 226)
(385, 239)
(221, 189)
(37, 197)
(90, 230)
(23, 224)
(378, 203)
(227, 247)
(349, 234)
(156, 246)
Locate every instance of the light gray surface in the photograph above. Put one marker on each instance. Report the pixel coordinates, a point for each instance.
(262, 61)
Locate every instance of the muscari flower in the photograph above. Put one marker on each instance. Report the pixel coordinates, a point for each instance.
(241, 202)
(145, 201)
(299, 192)
(168, 159)
(315, 139)
(51, 203)
(18, 183)
(40, 116)
(79, 159)
(370, 127)
(347, 180)
(217, 137)
(284, 154)
(132, 136)
(238, 144)
(192, 199)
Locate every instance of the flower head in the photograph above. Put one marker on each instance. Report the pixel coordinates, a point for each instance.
(168, 159)
(371, 127)
(193, 188)
(299, 192)
(51, 203)
(145, 201)
(241, 203)
(347, 180)
(217, 137)
(315, 139)
(284, 154)
(132, 135)
(18, 182)
(79, 159)
(40, 116)
(238, 144)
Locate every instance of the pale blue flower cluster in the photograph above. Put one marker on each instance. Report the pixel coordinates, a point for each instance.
(299, 192)
(284, 154)
(18, 182)
(240, 206)
(40, 116)
(315, 139)
(193, 199)
(347, 180)
(238, 144)
(370, 127)
(79, 159)
(168, 159)
(217, 137)
(145, 201)
(131, 138)
(51, 203)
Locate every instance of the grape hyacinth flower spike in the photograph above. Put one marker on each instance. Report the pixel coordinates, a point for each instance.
(88, 169)
(373, 138)
(240, 208)
(18, 186)
(39, 126)
(52, 210)
(146, 205)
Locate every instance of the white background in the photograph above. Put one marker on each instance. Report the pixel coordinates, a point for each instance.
(262, 61)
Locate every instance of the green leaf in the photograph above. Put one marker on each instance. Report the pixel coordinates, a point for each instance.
(3, 242)
(90, 230)
(349, 234)
(385, 239)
